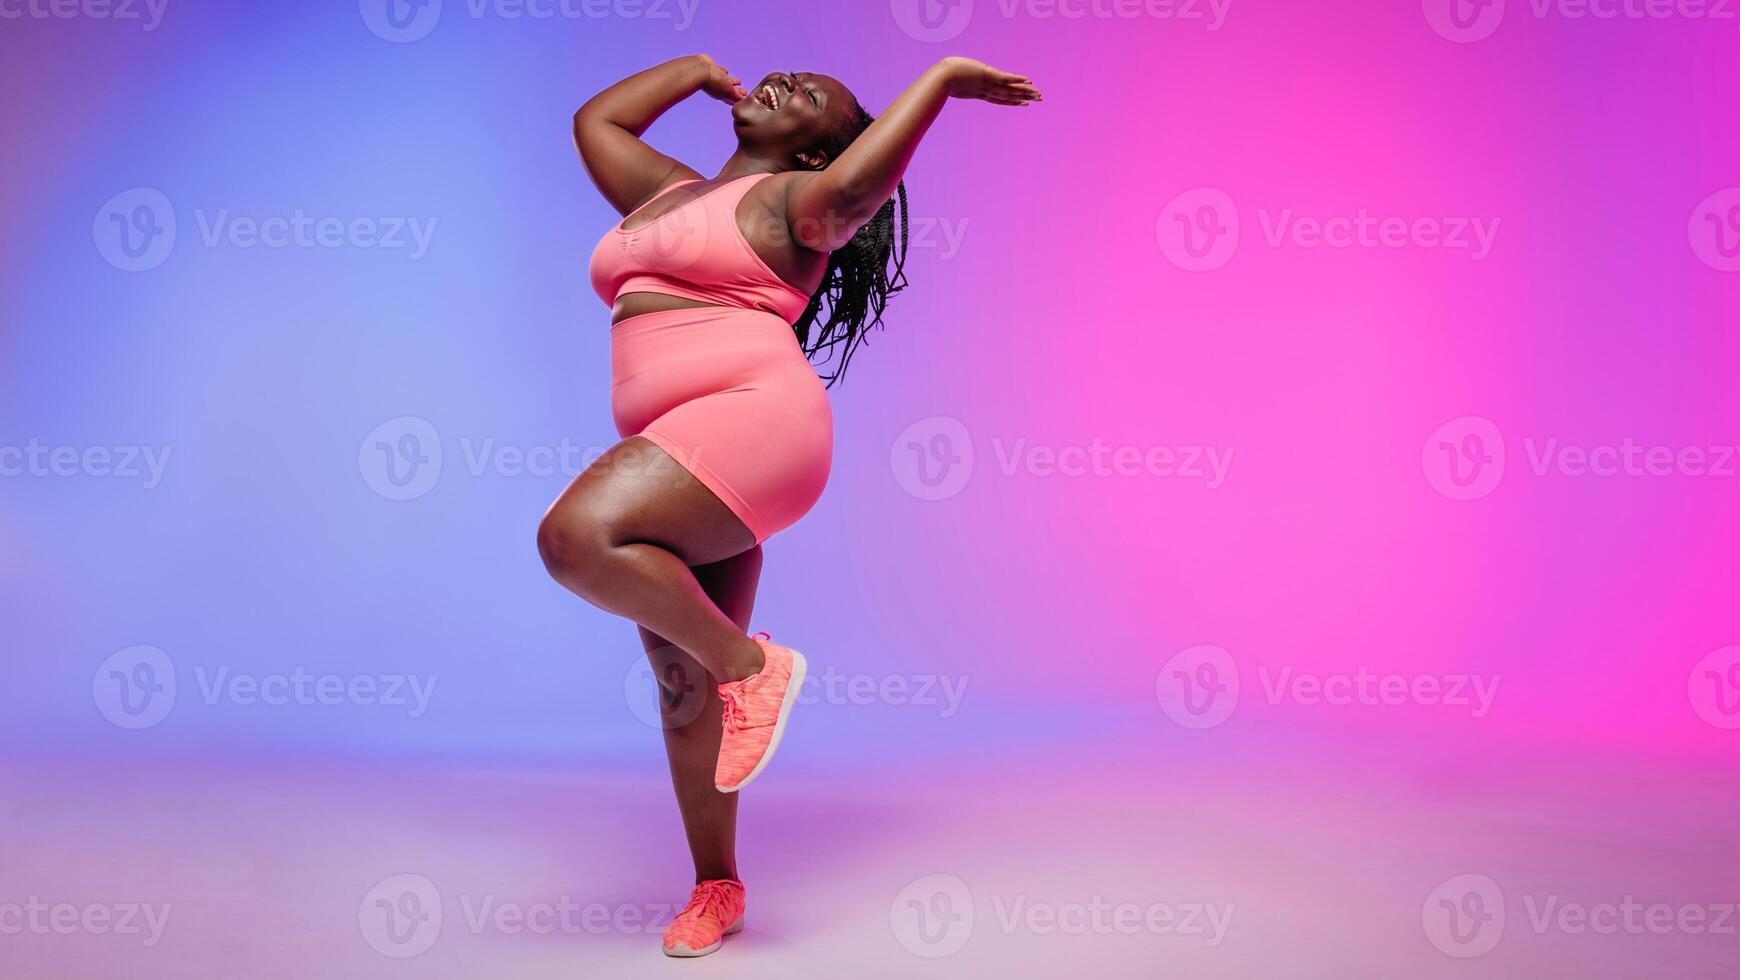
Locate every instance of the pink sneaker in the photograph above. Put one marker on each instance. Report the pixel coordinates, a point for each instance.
(755, 710)
(715, 910)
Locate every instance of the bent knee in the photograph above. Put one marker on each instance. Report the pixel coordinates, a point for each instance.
(573, 545)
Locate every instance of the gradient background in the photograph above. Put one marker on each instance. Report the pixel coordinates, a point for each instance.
(1044, 307)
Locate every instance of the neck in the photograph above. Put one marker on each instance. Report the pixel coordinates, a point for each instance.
(743, 163)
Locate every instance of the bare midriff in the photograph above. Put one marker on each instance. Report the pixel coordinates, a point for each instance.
(635, 304)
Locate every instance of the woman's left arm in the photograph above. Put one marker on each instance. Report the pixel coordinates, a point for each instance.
(827, 207)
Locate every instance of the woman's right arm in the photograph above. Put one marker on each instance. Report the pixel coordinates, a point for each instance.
(607, 128)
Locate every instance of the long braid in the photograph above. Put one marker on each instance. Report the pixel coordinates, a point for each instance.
(860, 277)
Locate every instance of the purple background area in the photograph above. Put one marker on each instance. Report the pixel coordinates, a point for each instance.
(1050, 315)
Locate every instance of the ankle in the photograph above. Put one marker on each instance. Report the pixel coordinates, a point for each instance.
(747, 661)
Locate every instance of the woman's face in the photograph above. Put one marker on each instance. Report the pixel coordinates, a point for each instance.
(795, 113)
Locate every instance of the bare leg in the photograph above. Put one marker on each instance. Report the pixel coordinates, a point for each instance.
(624, 536)
(690, 706)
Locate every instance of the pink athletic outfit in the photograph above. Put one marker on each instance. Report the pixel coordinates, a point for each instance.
(724, 389)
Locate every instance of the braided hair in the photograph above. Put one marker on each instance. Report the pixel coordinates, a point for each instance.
(859, 278)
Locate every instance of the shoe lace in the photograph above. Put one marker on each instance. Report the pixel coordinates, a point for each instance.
(732, 712)
(708, 902)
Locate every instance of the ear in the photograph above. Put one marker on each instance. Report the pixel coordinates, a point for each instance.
(812, 160)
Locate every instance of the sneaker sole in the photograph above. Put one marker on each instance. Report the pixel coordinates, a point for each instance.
(799, 669)
(685, 952)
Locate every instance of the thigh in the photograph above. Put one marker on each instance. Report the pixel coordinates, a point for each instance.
(637, 494)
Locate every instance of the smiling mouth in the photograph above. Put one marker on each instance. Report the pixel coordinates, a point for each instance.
(768, 96)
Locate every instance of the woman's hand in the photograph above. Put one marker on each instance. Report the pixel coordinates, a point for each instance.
(721, 84)
(970, 79)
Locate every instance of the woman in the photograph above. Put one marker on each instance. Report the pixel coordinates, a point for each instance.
(721, 289)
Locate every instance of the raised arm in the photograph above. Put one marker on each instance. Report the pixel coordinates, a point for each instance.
(607, 128)
(827, 207)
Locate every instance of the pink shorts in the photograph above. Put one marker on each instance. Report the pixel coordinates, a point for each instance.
(728, 394)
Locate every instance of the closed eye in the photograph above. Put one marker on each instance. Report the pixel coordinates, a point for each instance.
(814, 99)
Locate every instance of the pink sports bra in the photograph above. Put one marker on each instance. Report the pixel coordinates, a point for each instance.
(694, 251)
